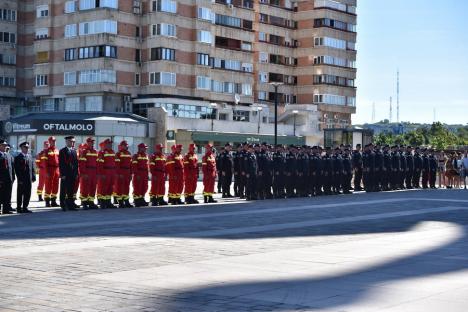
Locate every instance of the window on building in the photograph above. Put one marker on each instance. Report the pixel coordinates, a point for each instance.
(93, 103)
(7, 37)
(206, 14)
(70, 30)
(204, 36)
(164, 6)
(262, 37)
(137, 79)
(69, 78)
(246, 89)
(70, 6)
(162, 78)
(262, 96)
(42, 11)
(240, 115)
(6, 81)
(42, 57)
(41, 80)
(203, 83)
(246, 46)
(227, 20)
(203, 59)
(72, 104)
(162, 54)
(137, 55)
(9, 59)
(42, 33)
(247, 67)
(164, 30)
(91, 4)
(97, 51)
(70, 54)
(97, 27)
(49, 105)
(263, 77)
(97, 76)
(8, 15)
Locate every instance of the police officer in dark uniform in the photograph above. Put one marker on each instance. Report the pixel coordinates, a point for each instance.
(320, 180)
(327, 163)
(425, 168)
(25, 170)
(7, 177)
(268, 173)
(337, 171)
(250, 169)
(418, 165)
(432, 169)
(290, 171)
(403, 166)
(68, 166)
(278, 166)
(395, 168)
(302, 170)
(347, 171)
(386, 169)
(314, 171)
(243, 179)
(409, 168)
(218, 169)
(357, 167)
(261, 171)
(368, 163)
(226, 166)
(378, 171)
(237, 160)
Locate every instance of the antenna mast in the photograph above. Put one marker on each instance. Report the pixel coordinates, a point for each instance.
(398, 96)
(391, 111)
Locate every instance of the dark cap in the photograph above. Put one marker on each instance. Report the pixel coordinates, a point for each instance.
(3, 142)
(70, 137)
(227, 144)
(24, 144)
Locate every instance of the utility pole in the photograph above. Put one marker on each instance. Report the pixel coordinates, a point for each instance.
(391, 111)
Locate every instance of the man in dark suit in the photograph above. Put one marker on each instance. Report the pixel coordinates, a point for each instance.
(68, 166)
(7, 177)
(26, 173)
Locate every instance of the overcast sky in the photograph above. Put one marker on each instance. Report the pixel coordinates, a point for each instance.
(428, 42)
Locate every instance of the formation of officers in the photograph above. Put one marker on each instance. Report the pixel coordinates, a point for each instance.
(259, 171)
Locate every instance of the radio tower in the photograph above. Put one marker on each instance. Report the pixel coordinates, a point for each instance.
(391, 111)
(373, 112)
(398, 97)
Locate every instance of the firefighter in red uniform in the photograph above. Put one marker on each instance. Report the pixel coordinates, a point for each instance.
(123, 160)
(209, 174)
(140, 175)
(41, 159)
(106, 174)
(52, 174)
(191, 175)
(175, 170)
(88, 174)
(158, 176)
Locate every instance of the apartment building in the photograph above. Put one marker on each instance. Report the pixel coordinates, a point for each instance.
(218, 62)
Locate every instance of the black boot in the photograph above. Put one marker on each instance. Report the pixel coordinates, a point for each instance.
(154, 201)
(188, 200)
(194, 201)
(85, 204)
(162, 202)
(92, 205)
(127, 204)
(40, 197)
(205, 199)
(109, 204)
(211, 200)
(47, 202)
(122, 204)
(116, 201)
(179, 201)
(102, 204)
(137, 202)
(53, 203)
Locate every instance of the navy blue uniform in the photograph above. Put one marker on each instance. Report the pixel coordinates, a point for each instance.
(418, 165)
(278, 164)
(409, 170)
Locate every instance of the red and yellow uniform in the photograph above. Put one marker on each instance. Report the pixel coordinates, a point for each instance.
(158, 176)
(175, 171)
(140, 175)
(191, 175)
(106, 174)
(52, 174)
(88, 174)
(123, 163)
(209, 174)
(41, 159)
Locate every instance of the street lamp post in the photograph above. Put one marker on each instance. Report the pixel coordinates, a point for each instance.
(276, 85)
(295, 112)
(259, 112)
(213, 114)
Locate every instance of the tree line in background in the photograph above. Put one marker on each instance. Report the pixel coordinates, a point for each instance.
(437, 136)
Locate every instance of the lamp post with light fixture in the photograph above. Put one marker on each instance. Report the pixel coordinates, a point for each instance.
(295, 112)
(258, 109)
(276, 85)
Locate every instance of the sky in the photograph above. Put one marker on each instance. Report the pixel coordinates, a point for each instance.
(428, 42)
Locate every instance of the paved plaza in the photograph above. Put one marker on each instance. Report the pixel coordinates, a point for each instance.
(399, 251)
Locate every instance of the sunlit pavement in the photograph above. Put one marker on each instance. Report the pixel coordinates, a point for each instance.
(399, 251)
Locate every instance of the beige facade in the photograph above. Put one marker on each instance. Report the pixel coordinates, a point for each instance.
(127, 55)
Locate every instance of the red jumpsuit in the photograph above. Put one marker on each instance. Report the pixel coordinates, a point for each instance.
(41, 160)
(209, 174)
(106, 174)
(88, 174)
(140, 175)
(123, 160)
(52, 170)
(191, 174)
(158, 175)
(175, 171)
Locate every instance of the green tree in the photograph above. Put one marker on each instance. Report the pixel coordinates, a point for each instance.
(383, 138)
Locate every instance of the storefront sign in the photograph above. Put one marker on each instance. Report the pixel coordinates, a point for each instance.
(76, 127)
